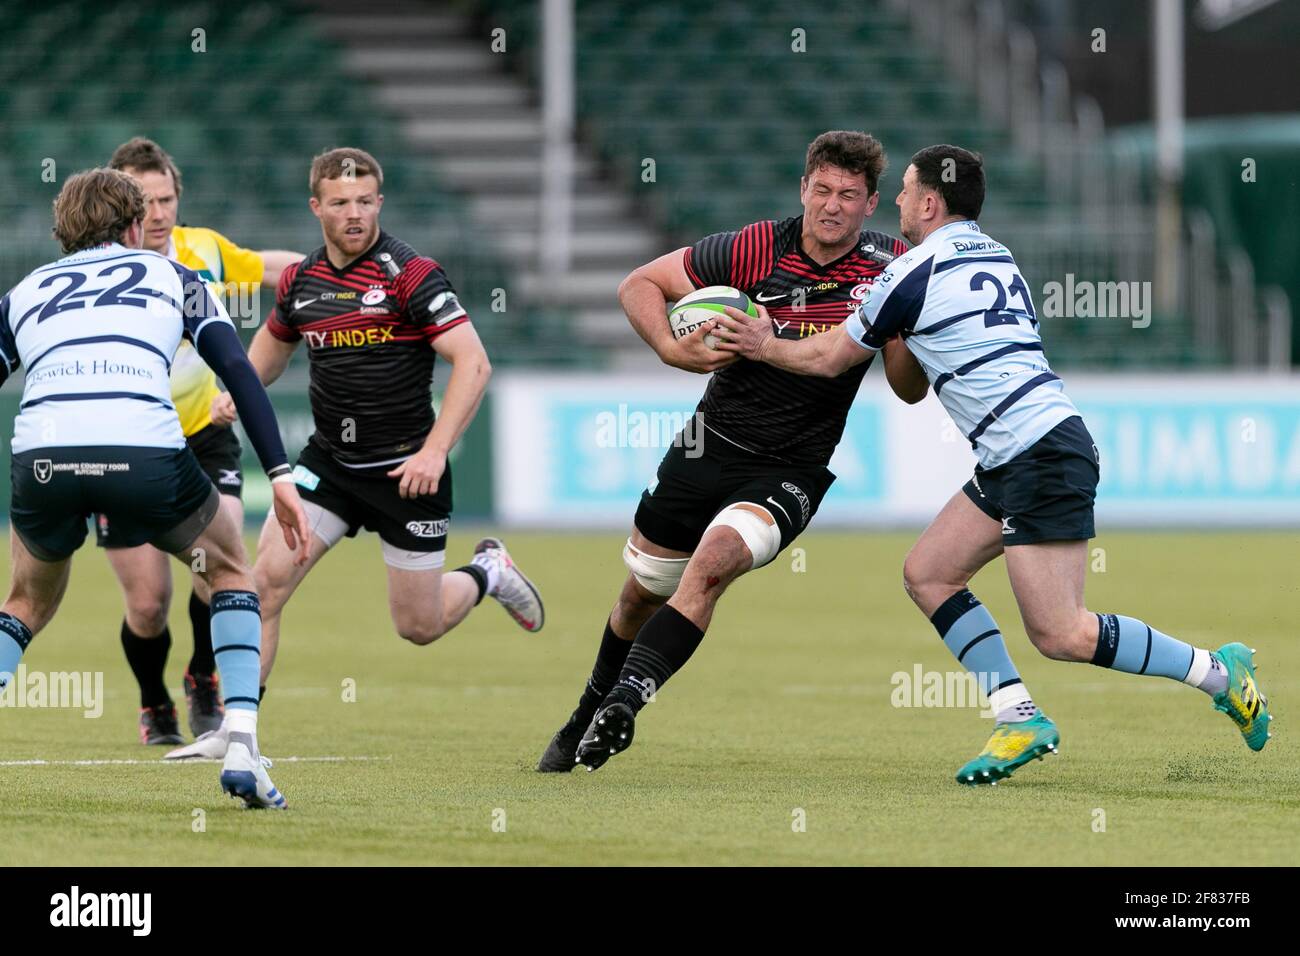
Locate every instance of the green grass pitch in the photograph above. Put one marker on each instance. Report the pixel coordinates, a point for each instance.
(784, 717)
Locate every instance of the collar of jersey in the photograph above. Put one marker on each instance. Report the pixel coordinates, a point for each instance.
(961, 225)
(102, 247)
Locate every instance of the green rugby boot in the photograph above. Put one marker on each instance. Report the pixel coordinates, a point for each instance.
(1243, 701)
(1010, 748)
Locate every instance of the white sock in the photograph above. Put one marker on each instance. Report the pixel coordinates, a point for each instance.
(240, 720)
(1207, 673)
(488, 563)
(1012, 704)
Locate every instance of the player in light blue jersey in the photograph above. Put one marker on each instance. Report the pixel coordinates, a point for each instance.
(97, 433)
(963, 309)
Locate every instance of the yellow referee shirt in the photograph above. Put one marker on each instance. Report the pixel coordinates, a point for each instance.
(223, 264)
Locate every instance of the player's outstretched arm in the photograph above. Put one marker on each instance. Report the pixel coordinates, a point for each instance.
(274, 262)
(269, 357)
(645, 294)
(904, 372)
(825, 355)
(470, 369)
(220, 348)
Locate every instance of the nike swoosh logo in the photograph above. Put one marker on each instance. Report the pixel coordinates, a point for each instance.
(778, 504)
(770, 298)
(303, 303)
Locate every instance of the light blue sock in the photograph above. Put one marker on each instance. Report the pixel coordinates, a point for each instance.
(14, 638)
(1129, 645)
(237, 645)
(970, 633)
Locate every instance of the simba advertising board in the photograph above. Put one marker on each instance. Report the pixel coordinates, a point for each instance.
(1192, 451)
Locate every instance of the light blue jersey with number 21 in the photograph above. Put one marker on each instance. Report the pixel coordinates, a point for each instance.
(964, 311)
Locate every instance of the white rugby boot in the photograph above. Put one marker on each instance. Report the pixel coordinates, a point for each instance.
(209, 746)
(243, 775)
(508, 585)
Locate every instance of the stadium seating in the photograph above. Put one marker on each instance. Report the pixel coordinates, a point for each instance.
(243, 112)
(244, 116)
(718, 98)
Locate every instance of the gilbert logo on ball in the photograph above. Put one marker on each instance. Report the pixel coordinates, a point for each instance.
(705, 305)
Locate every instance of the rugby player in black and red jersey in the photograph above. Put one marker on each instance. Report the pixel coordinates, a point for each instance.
(374, 314)
(766, 434)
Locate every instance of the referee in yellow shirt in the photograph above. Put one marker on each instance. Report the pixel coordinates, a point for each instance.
(144, 571)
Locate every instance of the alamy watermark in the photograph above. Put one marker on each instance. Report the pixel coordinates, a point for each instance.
(75, 908)
(1084, 299)
(73, 690)
(922, 688)
(629, 428)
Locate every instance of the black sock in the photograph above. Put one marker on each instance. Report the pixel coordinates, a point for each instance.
(665, 643)
(604, 674)
(202, 662)
(148, 658)
(479, 576)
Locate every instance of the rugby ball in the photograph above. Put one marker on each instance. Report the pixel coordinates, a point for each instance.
(703, 305)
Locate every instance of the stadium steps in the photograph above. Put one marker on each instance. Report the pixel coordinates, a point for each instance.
(592, 247)
(482, 127)
(589, 210)
(383, 61)
(522, 134)
(504, 99)
(486, 172)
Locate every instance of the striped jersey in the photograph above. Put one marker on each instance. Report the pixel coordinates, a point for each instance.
(96, 332)
(369, 329)
(762, 408)
(965, 312)
(226, 266)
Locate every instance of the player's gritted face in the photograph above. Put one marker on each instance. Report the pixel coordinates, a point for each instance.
(835, 204)
(348, 211)
(160, 207)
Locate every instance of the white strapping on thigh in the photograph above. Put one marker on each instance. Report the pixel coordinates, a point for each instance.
(762, 539)
(404, 560)
(659, 576)
(326, 525)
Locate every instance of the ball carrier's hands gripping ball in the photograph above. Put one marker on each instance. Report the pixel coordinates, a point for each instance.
(753, 479)
(703, 307)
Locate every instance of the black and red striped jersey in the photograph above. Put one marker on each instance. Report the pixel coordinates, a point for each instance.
(369, 329)
(763, 408)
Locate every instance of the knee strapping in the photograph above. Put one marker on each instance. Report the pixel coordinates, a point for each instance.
(657, 575)
(762, 539)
